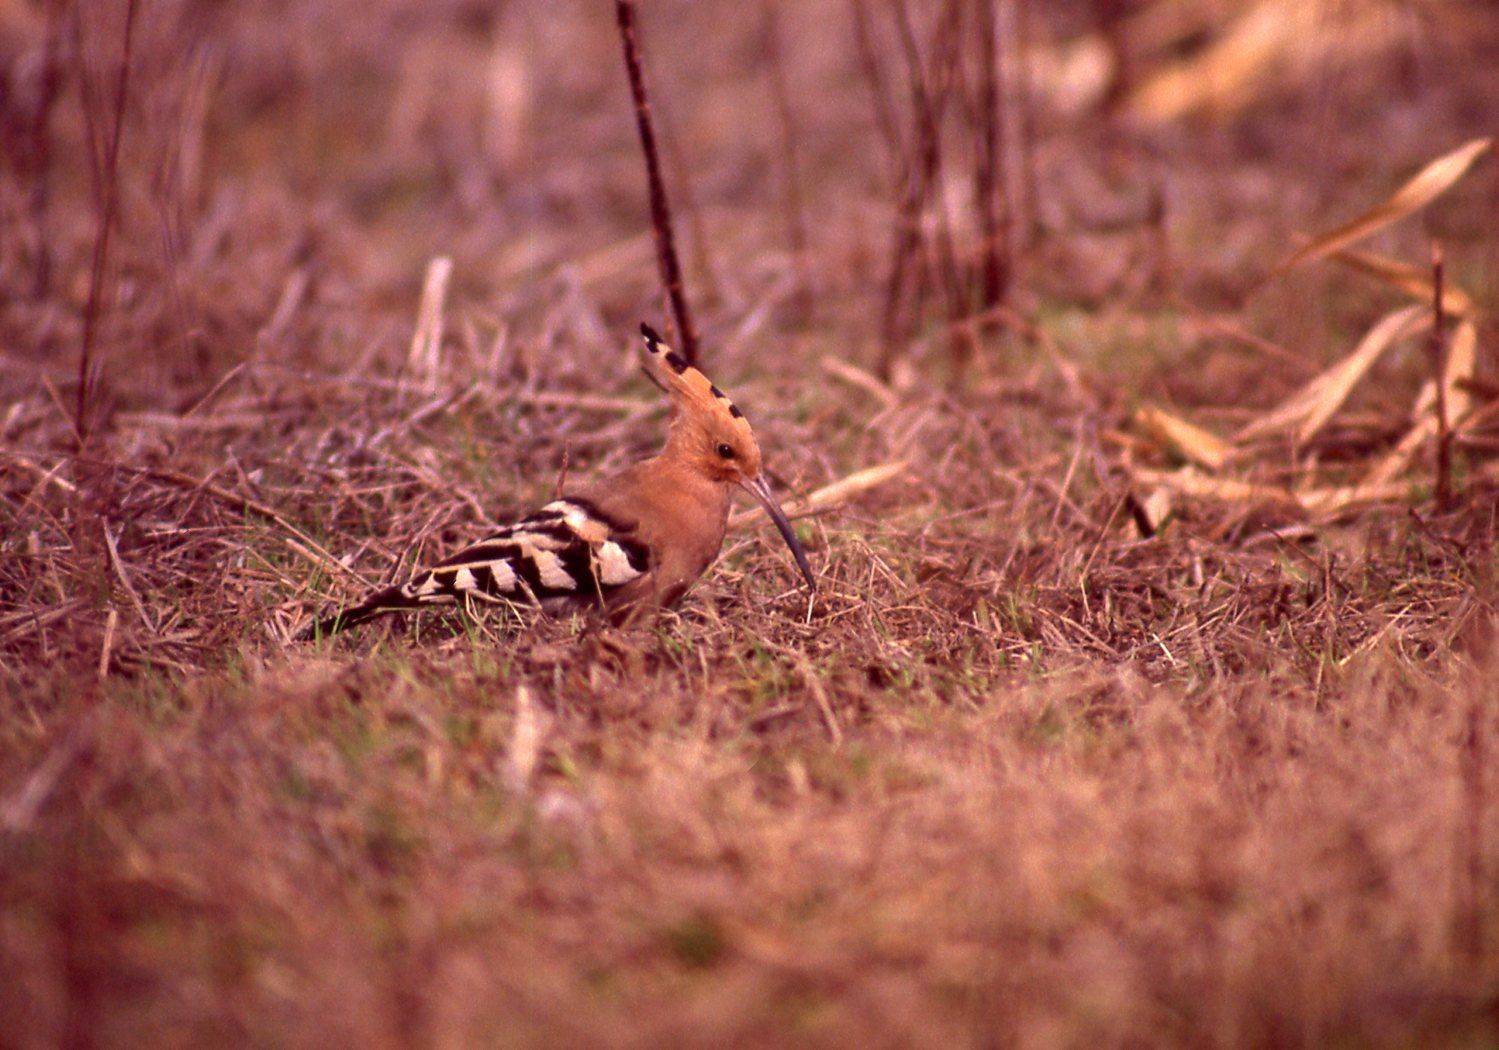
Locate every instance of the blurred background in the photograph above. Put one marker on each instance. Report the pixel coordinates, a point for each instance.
(845, 174)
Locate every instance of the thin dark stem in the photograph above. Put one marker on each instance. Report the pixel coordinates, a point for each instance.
(1025, 97)
(912, 194)
(879, 89)
(923, 170)
(794, 206)
(932, 92)
(1113, 26)
(666, 249)
(951, 87)
(1439, 368)
(41, 149)
(989, 173)
(107, 193)
(1160, 278)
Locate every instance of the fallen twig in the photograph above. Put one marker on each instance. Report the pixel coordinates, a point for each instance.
(832, 494)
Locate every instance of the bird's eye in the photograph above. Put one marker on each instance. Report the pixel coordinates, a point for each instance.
(726, 450)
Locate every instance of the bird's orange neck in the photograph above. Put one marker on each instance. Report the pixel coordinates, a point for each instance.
(696, 492)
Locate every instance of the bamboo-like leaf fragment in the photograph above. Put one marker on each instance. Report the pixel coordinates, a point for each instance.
(1424, 187)
(1309, 409)
(1186, 439)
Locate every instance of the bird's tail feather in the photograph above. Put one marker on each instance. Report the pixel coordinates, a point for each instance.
(376, 605)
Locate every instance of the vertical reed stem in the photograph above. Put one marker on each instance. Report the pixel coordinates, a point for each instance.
(792, 200)
(989, 172)
(40, 195)
(666, 248)
(1439, 368)
(107, 197)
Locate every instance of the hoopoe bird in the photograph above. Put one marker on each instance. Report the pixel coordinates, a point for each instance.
(628, 543)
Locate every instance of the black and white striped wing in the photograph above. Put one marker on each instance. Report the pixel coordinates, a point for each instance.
(568, 550)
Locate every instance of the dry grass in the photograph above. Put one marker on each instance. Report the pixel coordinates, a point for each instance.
(332, 848)
(1021, 775)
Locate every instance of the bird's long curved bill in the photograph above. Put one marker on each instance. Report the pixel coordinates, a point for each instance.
(760, 489)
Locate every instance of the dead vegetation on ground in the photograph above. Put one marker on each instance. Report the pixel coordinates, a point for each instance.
(1144, 446)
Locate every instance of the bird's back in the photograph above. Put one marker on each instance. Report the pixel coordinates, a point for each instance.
(570, 553)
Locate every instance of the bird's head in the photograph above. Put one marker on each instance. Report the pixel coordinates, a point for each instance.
(711, 435)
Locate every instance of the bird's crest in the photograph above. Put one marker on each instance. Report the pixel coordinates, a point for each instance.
(689, 390)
